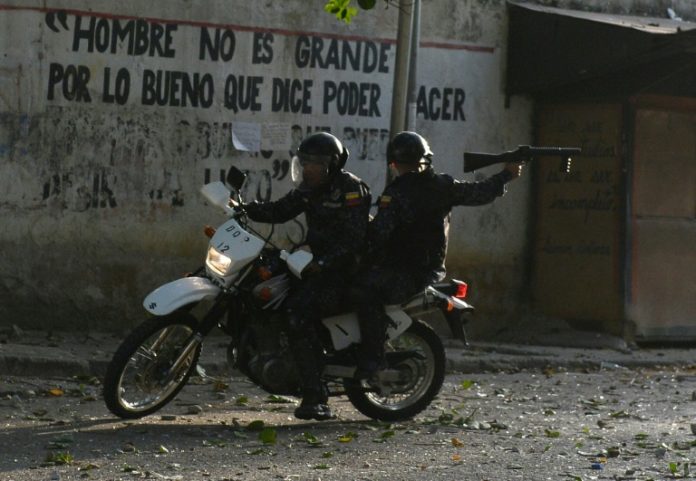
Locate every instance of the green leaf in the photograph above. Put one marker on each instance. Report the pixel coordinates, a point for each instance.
(311, 439)
(387, 434)
(327, 454)
(673, 467)
(241, 401)
(273, 399)
(215, 442)
(60, 458)
(268, 436)
(163, 449)
(641, 436)
(348, 437)
(367, 4)
(467, 384)
(256, 425)
(552, 434)
(321, 466)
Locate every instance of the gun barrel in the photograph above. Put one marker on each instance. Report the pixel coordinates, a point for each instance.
(478, 160)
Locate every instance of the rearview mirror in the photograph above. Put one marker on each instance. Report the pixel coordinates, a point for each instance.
(235, 178)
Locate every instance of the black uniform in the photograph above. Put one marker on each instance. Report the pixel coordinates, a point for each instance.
(407, 241)
(337, 216)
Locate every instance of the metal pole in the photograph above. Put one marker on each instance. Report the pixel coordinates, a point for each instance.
(413, 68)
(400, 90)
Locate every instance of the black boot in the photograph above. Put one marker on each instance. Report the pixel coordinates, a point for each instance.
(314, 405)
(308, 358)
(371, 349)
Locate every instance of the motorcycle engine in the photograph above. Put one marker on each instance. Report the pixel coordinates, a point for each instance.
(272, 365)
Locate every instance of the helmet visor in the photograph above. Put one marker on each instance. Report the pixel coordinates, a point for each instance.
(296, 171)
(322, 159)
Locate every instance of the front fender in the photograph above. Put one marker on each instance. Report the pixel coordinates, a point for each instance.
(173, 295)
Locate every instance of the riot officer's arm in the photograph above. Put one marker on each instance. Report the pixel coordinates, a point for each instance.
(482, 192)
(386, 220)
(282, 210)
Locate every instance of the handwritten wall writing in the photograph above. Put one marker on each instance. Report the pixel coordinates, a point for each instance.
(578, 233)
(198, 87)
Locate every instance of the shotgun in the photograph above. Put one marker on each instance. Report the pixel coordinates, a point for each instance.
(523, 153)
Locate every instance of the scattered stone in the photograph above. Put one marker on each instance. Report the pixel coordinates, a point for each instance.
(168, 417)
(195, 409)
(693, 429)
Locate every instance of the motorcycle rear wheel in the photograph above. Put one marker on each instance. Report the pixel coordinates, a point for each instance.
(138, 380)
(421, 378)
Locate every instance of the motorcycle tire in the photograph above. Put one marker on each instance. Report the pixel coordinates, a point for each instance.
(140, 366)
(420, 382)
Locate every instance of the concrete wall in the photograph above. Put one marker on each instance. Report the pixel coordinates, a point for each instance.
(103, 146)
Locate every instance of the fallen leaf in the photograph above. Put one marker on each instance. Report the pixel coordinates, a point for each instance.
(467, 384)
(346, 438)
(274, 399)
(57, 392)
(256, 425)
(311, 439)
(457, 443)
(268, 436)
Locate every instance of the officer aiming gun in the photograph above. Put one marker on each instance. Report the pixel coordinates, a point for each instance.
(523, 153)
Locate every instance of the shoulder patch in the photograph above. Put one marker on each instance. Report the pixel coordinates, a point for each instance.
(384, 201)
(353, 198)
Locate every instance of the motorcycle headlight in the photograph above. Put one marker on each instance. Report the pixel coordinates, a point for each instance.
(218, 262)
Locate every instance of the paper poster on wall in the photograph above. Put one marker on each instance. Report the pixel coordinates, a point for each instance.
(246, 136)
(275, 136)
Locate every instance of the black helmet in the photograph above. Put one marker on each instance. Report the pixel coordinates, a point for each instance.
(408, 148)
(325, 148)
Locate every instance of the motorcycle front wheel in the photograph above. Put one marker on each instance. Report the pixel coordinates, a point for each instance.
(139, 379)
(420, 378)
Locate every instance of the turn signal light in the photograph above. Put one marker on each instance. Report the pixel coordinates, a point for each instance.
(462, 289)
(209, 231)
(265, 294)
(264, 273)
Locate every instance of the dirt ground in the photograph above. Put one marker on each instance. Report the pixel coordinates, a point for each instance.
(616, 424)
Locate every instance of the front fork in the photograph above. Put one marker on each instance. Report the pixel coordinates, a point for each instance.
(209, 321)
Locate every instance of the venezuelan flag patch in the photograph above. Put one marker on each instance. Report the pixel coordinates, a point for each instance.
(353, 198)
(384, 201)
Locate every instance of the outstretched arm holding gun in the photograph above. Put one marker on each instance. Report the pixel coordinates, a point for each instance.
(515, 159)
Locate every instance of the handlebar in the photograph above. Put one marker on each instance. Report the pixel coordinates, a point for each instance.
(523, 153)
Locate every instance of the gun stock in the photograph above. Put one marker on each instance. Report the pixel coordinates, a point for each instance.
(523, 153)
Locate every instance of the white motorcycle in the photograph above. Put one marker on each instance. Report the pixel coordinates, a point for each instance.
(242, 289)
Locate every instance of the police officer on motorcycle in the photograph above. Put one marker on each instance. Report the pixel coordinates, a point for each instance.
(336, 204)
(407, 239)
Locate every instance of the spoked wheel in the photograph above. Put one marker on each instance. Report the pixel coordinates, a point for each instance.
(141, 377)
(412, 383)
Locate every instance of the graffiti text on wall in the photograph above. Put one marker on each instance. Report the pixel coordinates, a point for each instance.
(106, 35)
